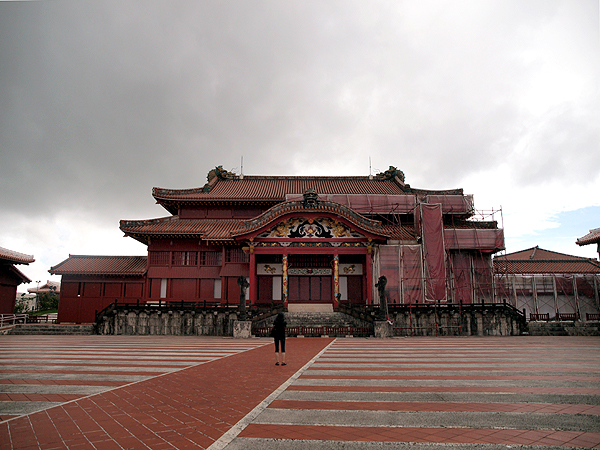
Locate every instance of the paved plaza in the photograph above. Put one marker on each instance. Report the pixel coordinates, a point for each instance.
(161, 392)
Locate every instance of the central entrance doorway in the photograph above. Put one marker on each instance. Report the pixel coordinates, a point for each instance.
(310, 279)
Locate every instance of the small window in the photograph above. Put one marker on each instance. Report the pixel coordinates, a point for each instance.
(159, 258)
(217, 292)
(212, 258)
(163, 288)
(236, 255)
(185, 258)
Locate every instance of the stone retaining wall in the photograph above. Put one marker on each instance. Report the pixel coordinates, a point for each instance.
(564, 328)
(484, 322)
(172, 323)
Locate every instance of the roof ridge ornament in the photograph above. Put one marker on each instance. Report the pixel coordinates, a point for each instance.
(218, 173)
(390, 174)
(311, 198)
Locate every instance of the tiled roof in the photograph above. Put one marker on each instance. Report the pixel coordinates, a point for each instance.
(538, 254)
(15, 257)
(276, 188)
(208, 229)
(101, 265)
(49, 286)
(539, 261)
(593, 237)
(218, 229)
(400, 232)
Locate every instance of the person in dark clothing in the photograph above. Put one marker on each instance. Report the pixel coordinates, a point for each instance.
(279, 336)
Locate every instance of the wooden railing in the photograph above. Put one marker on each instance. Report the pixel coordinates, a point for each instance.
(533, 317)
(568, 317)
(11, 319)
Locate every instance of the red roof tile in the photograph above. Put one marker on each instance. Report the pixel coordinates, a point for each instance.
(207, 229)
(537, 260)
(399, 232)
(593, 237)
(276, 188)
(101, 265)
(15, 257)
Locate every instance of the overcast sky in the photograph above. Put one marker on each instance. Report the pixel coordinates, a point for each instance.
(101, 101)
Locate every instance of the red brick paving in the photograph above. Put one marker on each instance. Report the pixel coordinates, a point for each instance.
(189, 408)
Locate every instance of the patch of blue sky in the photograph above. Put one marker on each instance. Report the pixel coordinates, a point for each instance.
(570, 225)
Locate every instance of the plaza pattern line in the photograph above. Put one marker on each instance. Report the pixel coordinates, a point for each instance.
(187, 408)
(307, 404)
(330, 401)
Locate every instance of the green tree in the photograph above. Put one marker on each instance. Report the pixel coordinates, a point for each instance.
(48, 300)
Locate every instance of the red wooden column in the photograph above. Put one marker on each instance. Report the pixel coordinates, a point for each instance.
(253, 291)
(336, 279)
(284, 283)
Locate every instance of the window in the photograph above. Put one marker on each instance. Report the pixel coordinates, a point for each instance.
(163, 288)
(217, 291)
(236, 255)
(159, 258)
(212, 258)
(185, 258)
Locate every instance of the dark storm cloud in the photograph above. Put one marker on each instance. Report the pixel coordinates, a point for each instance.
(100, 101)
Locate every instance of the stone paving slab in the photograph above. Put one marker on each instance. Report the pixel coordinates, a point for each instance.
(375, 403)
(499, 397)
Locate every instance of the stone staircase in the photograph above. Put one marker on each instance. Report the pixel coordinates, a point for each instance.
(52, 328)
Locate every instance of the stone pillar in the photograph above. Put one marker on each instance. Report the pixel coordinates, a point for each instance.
(242, 329)
(382, 329)
(243, 284)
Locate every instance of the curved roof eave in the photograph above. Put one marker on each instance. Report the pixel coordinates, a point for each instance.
(259, 223)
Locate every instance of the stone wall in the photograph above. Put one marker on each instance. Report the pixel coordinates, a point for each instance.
(472, 322)
(564, 328)
(172, 323)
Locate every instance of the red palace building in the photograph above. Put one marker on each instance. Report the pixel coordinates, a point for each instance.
(307, 243)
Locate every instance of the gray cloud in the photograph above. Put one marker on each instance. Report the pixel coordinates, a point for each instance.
(100, 101)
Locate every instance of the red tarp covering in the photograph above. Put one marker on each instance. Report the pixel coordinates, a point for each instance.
(390, 268)
(433, 243)
(453, 204)
(412, 273)
(482, 277)
(462, 277)
(474, 238)
(369, 203)
(402, 266)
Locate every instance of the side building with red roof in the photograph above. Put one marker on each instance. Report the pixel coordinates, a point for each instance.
(305, 243)
(11, 277)
(593, 237)
(550, 285)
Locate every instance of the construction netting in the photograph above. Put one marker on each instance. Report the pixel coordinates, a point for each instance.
(402, 266)
(467, 276)
(550, 295)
